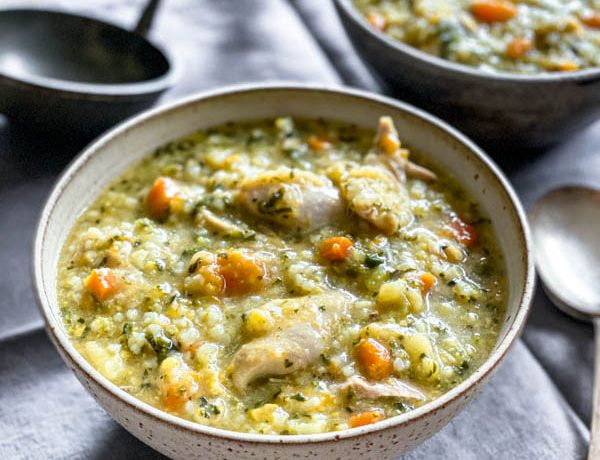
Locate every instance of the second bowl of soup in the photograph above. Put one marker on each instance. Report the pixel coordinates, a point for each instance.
(512, 74)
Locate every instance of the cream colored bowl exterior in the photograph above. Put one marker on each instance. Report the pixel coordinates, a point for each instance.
(129, 142)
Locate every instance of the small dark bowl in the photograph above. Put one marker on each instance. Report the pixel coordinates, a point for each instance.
(499, 109)
(76, 75)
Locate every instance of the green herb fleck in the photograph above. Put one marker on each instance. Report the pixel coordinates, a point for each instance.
(270, 208)
(373, 260)
(208, 409)
(400, 406)
(161, 345)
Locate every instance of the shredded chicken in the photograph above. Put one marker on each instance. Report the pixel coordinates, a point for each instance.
(375, 190)
(298, 200)
(303, 329)
(389, 152)
(221, 225)
(391, 388)
(372, 193)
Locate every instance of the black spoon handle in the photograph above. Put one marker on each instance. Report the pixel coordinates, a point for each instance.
(146, 18)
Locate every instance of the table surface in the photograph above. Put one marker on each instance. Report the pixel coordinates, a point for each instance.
(538, 404)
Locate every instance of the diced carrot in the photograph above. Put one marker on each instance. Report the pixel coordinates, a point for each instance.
(102, 283)
(463, 232)
(179, 392)
(318, 143)
(427, 281)
(592, 19)
(178, 384)
(518, 48)
(159, 198)
(364, 418)
(374, 359)
(242, 273)
(377, 20)
(336, 248)
(490, 11)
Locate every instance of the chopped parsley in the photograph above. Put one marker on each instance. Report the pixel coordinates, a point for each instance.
(373, 260)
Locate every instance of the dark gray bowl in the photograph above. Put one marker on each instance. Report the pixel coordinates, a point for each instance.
(500, 110)
(79, 75)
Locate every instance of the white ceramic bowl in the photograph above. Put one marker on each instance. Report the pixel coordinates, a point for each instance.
(111, 154)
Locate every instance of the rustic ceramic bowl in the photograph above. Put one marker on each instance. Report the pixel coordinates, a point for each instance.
(498, 109)
(129, 142)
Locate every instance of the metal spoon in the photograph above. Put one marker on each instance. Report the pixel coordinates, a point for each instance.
(62, 72)
(566, 231)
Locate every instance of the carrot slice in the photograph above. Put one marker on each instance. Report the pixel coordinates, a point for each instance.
(365, 418)
(159, 198)
(318, 143)
(490, 11)
(592, 20)
(463, 232)
(177, 384)
(336, 248)
(427, 282)
(102, 283)
(518, 48)
(374, 359)
(242, 273)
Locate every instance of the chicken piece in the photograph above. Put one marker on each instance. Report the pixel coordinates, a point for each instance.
(375, 191)
(374, 195)
(389, 153)
(391, 388)
(293, 199)
(420, 172)
(303, 329)
(279, 354)
(223, 226)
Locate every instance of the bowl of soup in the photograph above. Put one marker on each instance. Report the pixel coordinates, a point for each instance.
(513, 74)
(284, 270)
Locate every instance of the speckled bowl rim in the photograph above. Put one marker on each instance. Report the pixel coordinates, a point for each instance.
(580, 76)
(73, 357)
(94, 91)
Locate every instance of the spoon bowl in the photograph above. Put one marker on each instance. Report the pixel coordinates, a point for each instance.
(565, 225)
(47, 45)
(61, 72)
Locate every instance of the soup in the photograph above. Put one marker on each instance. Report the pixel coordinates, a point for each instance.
(522, 36)
(283, 277)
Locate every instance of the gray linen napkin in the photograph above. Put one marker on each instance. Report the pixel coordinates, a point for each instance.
(537, 405)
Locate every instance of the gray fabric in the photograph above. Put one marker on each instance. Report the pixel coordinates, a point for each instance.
(538, 404)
